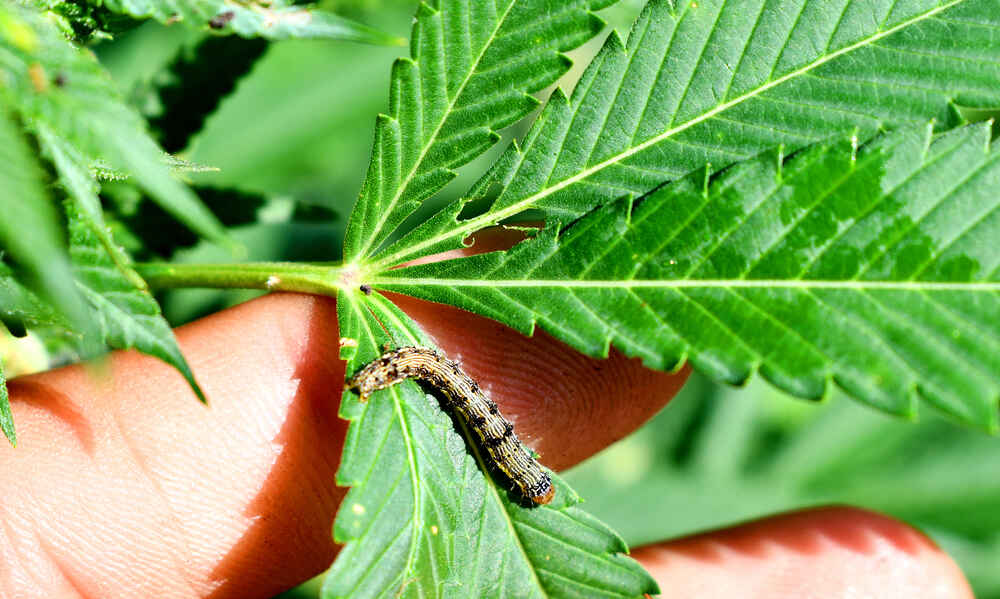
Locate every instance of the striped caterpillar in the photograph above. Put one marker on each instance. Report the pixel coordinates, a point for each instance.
(463, 394)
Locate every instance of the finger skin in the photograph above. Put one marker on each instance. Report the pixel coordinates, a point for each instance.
(815, 554)
(125, 486)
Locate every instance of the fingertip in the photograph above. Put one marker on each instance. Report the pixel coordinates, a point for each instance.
(824, 552)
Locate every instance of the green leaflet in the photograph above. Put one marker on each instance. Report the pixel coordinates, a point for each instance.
(79, 183)
(21, 309)
(423, 520)
(472, 69)
(715, 82)
(877, 269)
(6, 418)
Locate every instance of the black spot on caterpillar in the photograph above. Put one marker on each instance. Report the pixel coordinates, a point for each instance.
(495, 432)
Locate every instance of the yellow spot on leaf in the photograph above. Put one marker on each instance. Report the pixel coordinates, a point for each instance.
(39, 80)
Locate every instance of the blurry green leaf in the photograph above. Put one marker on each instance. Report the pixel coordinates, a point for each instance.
(877, 269)
(718, 81)
(102, 171)
(422, 518)
(29, 232)
(126, 313)
(275, 20)
(81, 187)
(83, 20)
(57, 86)
(6, 418)
(179, 165)
(21, 309)
(472, 70)
(135, 58)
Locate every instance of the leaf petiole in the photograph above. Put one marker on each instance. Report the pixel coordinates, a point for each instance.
(323, 279)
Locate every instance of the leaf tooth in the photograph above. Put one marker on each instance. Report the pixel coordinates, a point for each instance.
(425, 184)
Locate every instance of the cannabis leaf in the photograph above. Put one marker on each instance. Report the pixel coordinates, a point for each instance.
(423, 520)
(876, 268)
(715, 82)
(473, 67)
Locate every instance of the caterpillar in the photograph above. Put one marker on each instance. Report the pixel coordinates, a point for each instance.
(463, 394)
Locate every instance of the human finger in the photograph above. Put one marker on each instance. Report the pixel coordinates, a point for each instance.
(818, 553)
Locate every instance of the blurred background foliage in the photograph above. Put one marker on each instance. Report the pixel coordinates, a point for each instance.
(280, 160)
(717, 456)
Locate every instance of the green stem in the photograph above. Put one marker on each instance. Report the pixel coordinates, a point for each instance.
(270, 276)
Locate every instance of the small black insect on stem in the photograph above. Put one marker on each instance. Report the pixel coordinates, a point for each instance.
(221, 20)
